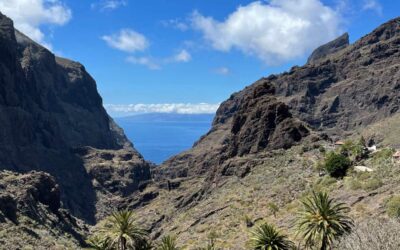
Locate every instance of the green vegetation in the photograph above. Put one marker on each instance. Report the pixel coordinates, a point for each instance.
(337, 164)
(99, 243)
(273, 208)
(355, 150)
(247, 219)
(322, 221)
(382, 156)
(120, 232)
(372, 184)
(168, 243)
(268, 237)
(393, 206)
(211, 242)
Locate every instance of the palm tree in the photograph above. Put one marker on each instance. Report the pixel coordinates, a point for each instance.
(122, 230)
(267, 237)
(323, 220)
(98, 243)
(168, 243)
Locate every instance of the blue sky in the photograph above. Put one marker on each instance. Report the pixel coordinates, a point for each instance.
(175, 54)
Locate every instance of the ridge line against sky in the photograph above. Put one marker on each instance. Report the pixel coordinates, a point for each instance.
(189, 52)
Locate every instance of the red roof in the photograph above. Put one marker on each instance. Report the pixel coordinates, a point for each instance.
(339, 143)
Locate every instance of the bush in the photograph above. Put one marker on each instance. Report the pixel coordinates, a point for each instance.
(352, 183)
(393, 207)
(382, 156)
(372, 184)
(248, 221)
(273, 208)
(356, 151)
(336, 165)
(324, 184)
(373, 234)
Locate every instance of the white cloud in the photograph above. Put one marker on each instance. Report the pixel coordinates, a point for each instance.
(156, 63)
(182, 56)
(109, 4)
(373, 5)
(274, 31)
(145, 61)
(222, 71)
(179, 108)
(176, 24)
(127, 40)
(30, 15)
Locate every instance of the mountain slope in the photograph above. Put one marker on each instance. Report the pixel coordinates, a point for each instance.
(49, 110)
(348, 89)
(264, 145)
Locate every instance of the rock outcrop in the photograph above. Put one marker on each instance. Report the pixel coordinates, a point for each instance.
(330, 48)
(249, 122)
(30, 212)
(49, 109)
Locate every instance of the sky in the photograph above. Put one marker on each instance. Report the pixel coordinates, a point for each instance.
(176, 56)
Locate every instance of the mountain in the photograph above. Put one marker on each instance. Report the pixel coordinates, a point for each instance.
(158, 136)
(53, 121)
(266, 140)
(66, 165)
(346, 90)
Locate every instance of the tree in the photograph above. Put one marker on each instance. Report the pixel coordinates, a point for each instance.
(122, 230)
(336, 164)
(267, 237)
(168, 243)
(323, 220)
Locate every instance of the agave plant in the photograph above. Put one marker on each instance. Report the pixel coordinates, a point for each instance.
(322, 221)
(122, 231)
(99, 243)
(168, 243)
(267, 237)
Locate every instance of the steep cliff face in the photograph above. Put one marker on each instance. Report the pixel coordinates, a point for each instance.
(49, 109)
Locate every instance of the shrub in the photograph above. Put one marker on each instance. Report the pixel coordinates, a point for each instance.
(273, 208)
(325, 184)
(393, 207)
(352, 183)
(383, 155)
(336, 165)
(373, 234)
(372, 184)
(322, 221)
(267, 236)
(168, 243)
(248, 221)
(357, 151)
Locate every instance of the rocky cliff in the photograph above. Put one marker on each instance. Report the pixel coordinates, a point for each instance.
(49, 110)
(31, 213)
(343, 87)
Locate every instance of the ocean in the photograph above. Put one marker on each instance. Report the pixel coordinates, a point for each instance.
(159, 136)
